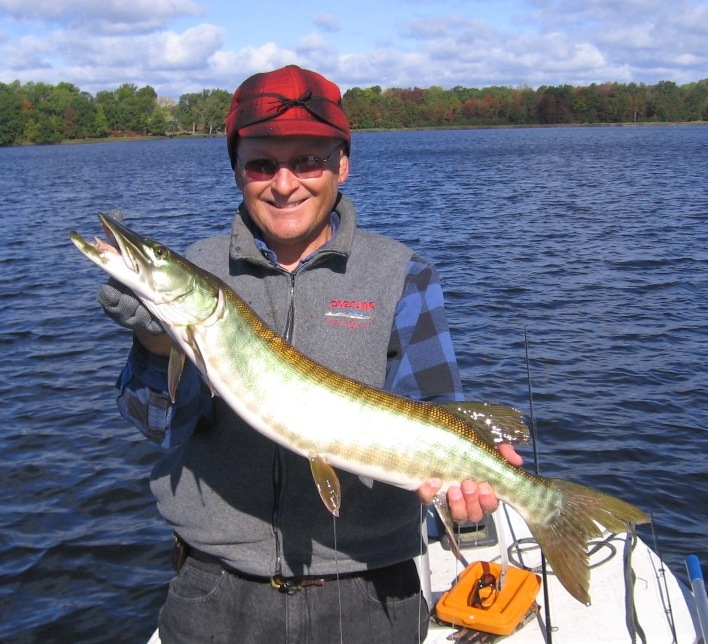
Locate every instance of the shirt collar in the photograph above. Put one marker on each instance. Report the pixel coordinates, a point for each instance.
(243, 245)
(272, 257)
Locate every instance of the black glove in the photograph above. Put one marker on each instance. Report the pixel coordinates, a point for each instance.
(123, 307)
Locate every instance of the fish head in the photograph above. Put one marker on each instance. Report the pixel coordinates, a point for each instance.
(172, 288)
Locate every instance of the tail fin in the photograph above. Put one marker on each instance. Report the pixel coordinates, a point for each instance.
(564, 539)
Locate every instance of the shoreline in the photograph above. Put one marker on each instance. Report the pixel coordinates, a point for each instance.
(530, 126)
(150, 137)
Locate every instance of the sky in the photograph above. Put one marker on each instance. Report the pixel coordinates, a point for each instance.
(181, 46)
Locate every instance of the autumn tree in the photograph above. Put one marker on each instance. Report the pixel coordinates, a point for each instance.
(44, 113)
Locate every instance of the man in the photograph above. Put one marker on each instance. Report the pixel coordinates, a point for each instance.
(266, 562)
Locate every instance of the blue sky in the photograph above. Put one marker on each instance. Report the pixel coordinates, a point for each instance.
(180, 46)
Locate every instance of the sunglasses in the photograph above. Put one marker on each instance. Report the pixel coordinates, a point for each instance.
(303, 166)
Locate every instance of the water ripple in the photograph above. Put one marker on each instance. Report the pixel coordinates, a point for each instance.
(593, 240)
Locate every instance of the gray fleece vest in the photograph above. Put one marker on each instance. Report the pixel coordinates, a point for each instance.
(235, 494)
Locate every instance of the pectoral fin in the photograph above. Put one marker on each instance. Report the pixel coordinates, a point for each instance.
(198, 358)
(327, 483)
(174, 371)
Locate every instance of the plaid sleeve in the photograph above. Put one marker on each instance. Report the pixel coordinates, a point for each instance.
(421, 359)
(143, 399)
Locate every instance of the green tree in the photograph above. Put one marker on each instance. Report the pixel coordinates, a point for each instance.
(696, 100)
(666, 104)
(100, 127)
(107, 103)
(440, 107)
(216, 107)
(131, 108)
(188, 111)
(76, 110)
(524, 106)
(41, 129)
(157, 123)
(11, 118)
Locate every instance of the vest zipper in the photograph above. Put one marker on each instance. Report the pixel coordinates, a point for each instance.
(290, 321)
(279, 454)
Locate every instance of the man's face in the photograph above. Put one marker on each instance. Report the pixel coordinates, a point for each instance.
(292, 213)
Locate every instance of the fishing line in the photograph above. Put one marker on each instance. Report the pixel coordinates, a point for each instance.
(544, 574)
(423, 569)
(336, 571)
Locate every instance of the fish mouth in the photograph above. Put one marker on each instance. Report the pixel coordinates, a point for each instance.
(121, 243)
(128, 244)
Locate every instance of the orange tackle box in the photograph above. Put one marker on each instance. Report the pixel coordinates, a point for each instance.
(477, 602)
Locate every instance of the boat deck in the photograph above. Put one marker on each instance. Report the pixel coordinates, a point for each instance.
(634, 596)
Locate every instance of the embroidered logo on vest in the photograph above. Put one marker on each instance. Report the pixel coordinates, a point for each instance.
(354, 314)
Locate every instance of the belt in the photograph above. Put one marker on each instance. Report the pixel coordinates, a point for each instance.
(288, 585)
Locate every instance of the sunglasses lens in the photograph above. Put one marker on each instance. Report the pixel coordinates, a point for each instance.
(260, 169)
(305, 166)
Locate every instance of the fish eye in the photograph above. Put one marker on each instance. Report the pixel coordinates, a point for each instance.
(160, 252)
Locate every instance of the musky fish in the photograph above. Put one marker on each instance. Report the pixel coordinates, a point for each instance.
(377, 435)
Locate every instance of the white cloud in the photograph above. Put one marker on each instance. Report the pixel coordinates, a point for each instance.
(28, 53)
(313, 46)
(99, 45)
(326, 22)
(228, 68)
(106, 61)
(106, 14)
(189, 50)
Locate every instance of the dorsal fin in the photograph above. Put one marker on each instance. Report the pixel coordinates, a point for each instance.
(494, 423)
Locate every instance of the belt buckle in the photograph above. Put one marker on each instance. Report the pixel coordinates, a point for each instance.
(283, 585)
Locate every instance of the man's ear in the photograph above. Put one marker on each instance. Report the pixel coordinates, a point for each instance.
(239, 180)
(343, 168)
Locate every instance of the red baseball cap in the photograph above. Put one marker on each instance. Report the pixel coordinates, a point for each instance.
(286, 102)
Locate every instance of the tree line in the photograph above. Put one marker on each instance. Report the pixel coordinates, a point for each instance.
(43, 113)
(494, 106)
(38, 113)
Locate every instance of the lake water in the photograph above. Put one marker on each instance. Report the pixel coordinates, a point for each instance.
(595, 240)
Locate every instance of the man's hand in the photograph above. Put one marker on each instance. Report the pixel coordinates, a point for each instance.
(123, 307)
(469, 501)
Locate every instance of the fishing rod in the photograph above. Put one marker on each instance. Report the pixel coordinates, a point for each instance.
(544, 573)
(661, 576)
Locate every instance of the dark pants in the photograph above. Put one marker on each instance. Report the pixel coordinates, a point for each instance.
(208, 604)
